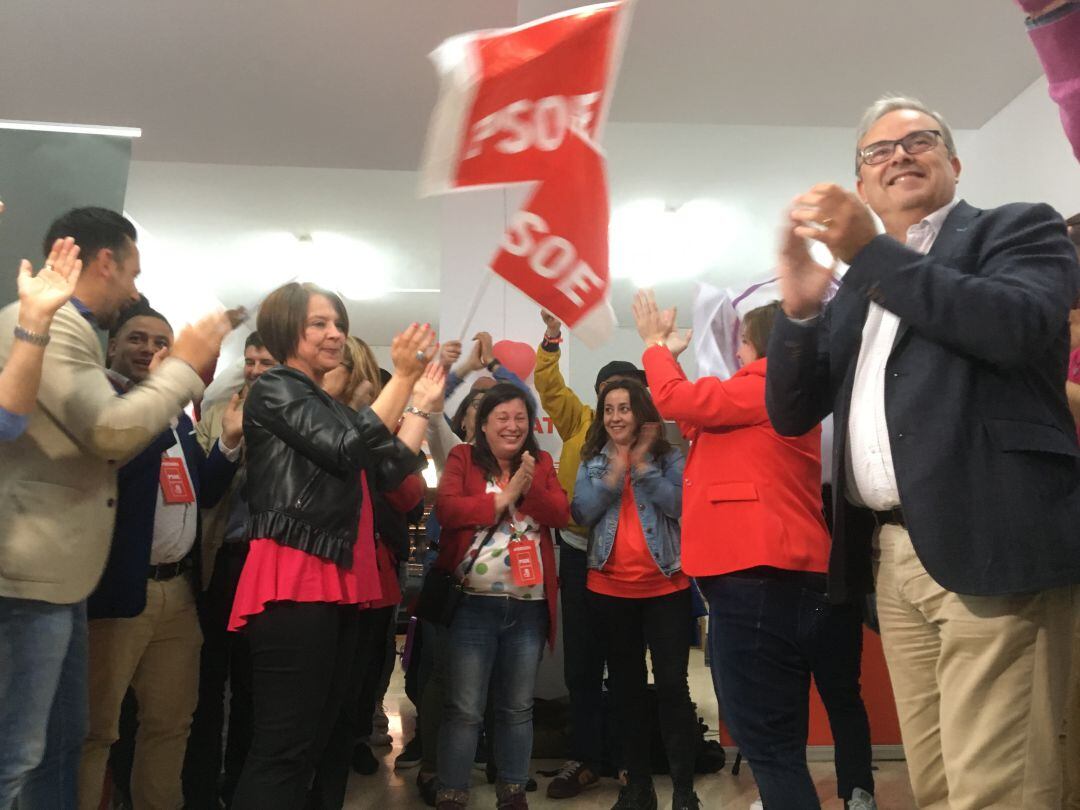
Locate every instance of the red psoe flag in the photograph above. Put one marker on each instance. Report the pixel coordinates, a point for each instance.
(527, 105)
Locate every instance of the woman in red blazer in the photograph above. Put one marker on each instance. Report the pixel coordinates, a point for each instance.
(498, 501)
(754, 536)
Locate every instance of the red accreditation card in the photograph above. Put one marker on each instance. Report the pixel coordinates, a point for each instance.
(524, 563)
(175, 484)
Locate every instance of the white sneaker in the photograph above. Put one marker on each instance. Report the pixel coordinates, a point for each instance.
(379, 720)
(757, 805)
(861, 800)
(380, 738)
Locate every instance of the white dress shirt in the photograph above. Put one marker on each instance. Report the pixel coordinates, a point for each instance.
(871, 475)
(175, 523)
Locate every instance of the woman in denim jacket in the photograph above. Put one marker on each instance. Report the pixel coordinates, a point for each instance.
(629, 494)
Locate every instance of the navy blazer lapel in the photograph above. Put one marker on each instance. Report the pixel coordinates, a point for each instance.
(954, 233)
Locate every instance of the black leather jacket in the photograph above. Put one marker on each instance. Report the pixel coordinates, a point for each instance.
(305, 453)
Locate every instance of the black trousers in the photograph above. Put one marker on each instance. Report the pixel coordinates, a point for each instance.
(583, 661)
(226, 659)
(374, 664)
(303, 656)
(663, 624)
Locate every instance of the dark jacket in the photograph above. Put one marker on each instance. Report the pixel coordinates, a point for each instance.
(121, 593)
(304, 456)
(983, 444)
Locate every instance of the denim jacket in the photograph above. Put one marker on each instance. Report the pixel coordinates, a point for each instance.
(658, 494)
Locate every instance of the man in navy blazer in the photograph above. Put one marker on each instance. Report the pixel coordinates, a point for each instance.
(143, 629)
(956, 467)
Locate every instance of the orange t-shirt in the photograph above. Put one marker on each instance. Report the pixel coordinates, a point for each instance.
(630, 571)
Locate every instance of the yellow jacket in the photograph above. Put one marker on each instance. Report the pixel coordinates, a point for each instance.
(570, 416)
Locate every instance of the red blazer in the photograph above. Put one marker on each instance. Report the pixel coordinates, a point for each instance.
(463, 506)
(750, 496)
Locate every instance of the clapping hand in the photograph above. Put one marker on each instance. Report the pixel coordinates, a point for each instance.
(677, 343)
(523, 478)
(646, 436)
(834, 216)
(803, 282)
(42, 294)
(653, 324)
(412, 349)
(232, 422)
(199, 344)
(430, 388)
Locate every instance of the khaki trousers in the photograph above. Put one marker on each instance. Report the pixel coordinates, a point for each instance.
(1072, 721)
(157, 654)
(980, 685)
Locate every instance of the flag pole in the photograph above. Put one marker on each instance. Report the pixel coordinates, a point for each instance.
(474, 305)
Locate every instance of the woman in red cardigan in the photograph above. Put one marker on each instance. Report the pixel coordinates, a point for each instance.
(497, 504)
(754, 536)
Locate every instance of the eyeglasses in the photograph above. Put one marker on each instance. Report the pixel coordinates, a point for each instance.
(914, 143)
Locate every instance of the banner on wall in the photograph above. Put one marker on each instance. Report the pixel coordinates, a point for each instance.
(527, 105)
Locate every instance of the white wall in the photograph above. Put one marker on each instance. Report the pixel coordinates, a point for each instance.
(1022, 155)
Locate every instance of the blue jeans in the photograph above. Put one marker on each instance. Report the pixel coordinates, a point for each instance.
(583, 660)
(498, 640)
(43, 704)
(767, 637)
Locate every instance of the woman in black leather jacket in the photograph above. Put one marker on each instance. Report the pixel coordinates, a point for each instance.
(298, 594)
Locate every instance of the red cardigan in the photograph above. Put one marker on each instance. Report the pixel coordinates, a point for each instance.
(463, 506)
(750, 496)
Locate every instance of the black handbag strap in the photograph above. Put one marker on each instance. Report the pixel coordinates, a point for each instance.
(484, 542)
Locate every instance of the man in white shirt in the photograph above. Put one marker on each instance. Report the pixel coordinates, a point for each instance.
(957, 472)
(143, 625)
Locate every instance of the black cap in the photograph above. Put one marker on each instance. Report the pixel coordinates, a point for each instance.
(619, 368)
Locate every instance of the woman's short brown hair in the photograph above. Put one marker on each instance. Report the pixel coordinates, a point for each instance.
(757, 325)
(283, 315)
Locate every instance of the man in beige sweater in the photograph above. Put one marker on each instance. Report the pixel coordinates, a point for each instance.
(57, 500)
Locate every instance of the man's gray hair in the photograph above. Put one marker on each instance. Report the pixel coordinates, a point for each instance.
(887, 104)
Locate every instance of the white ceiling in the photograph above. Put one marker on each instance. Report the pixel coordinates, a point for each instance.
(334, 83)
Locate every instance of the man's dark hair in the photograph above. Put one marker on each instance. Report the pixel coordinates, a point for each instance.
(254, 340)
(481, 451)
(93, 229)
(139, 309)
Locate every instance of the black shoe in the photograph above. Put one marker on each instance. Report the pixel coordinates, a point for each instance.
(685, 800)
(429, 788)
(410, 755)
(636, 796)
(363, 761)
(530, 785)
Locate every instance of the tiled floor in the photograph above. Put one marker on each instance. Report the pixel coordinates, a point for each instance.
(387, 789)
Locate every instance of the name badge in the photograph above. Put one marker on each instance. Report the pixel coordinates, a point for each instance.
(524, 563)
(175, 484)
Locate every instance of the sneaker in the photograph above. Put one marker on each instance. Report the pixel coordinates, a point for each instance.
(410, 755)
(685, 800)
(861, 800)
(636, 796)
(428, 785)
(363, 761)
(379, 739)
(757, 805)
(379, 720)
(572, 778)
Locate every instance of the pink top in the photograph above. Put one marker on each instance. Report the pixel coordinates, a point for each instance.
(277, 573)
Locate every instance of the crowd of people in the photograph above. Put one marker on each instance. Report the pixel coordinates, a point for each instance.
(151, 566)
